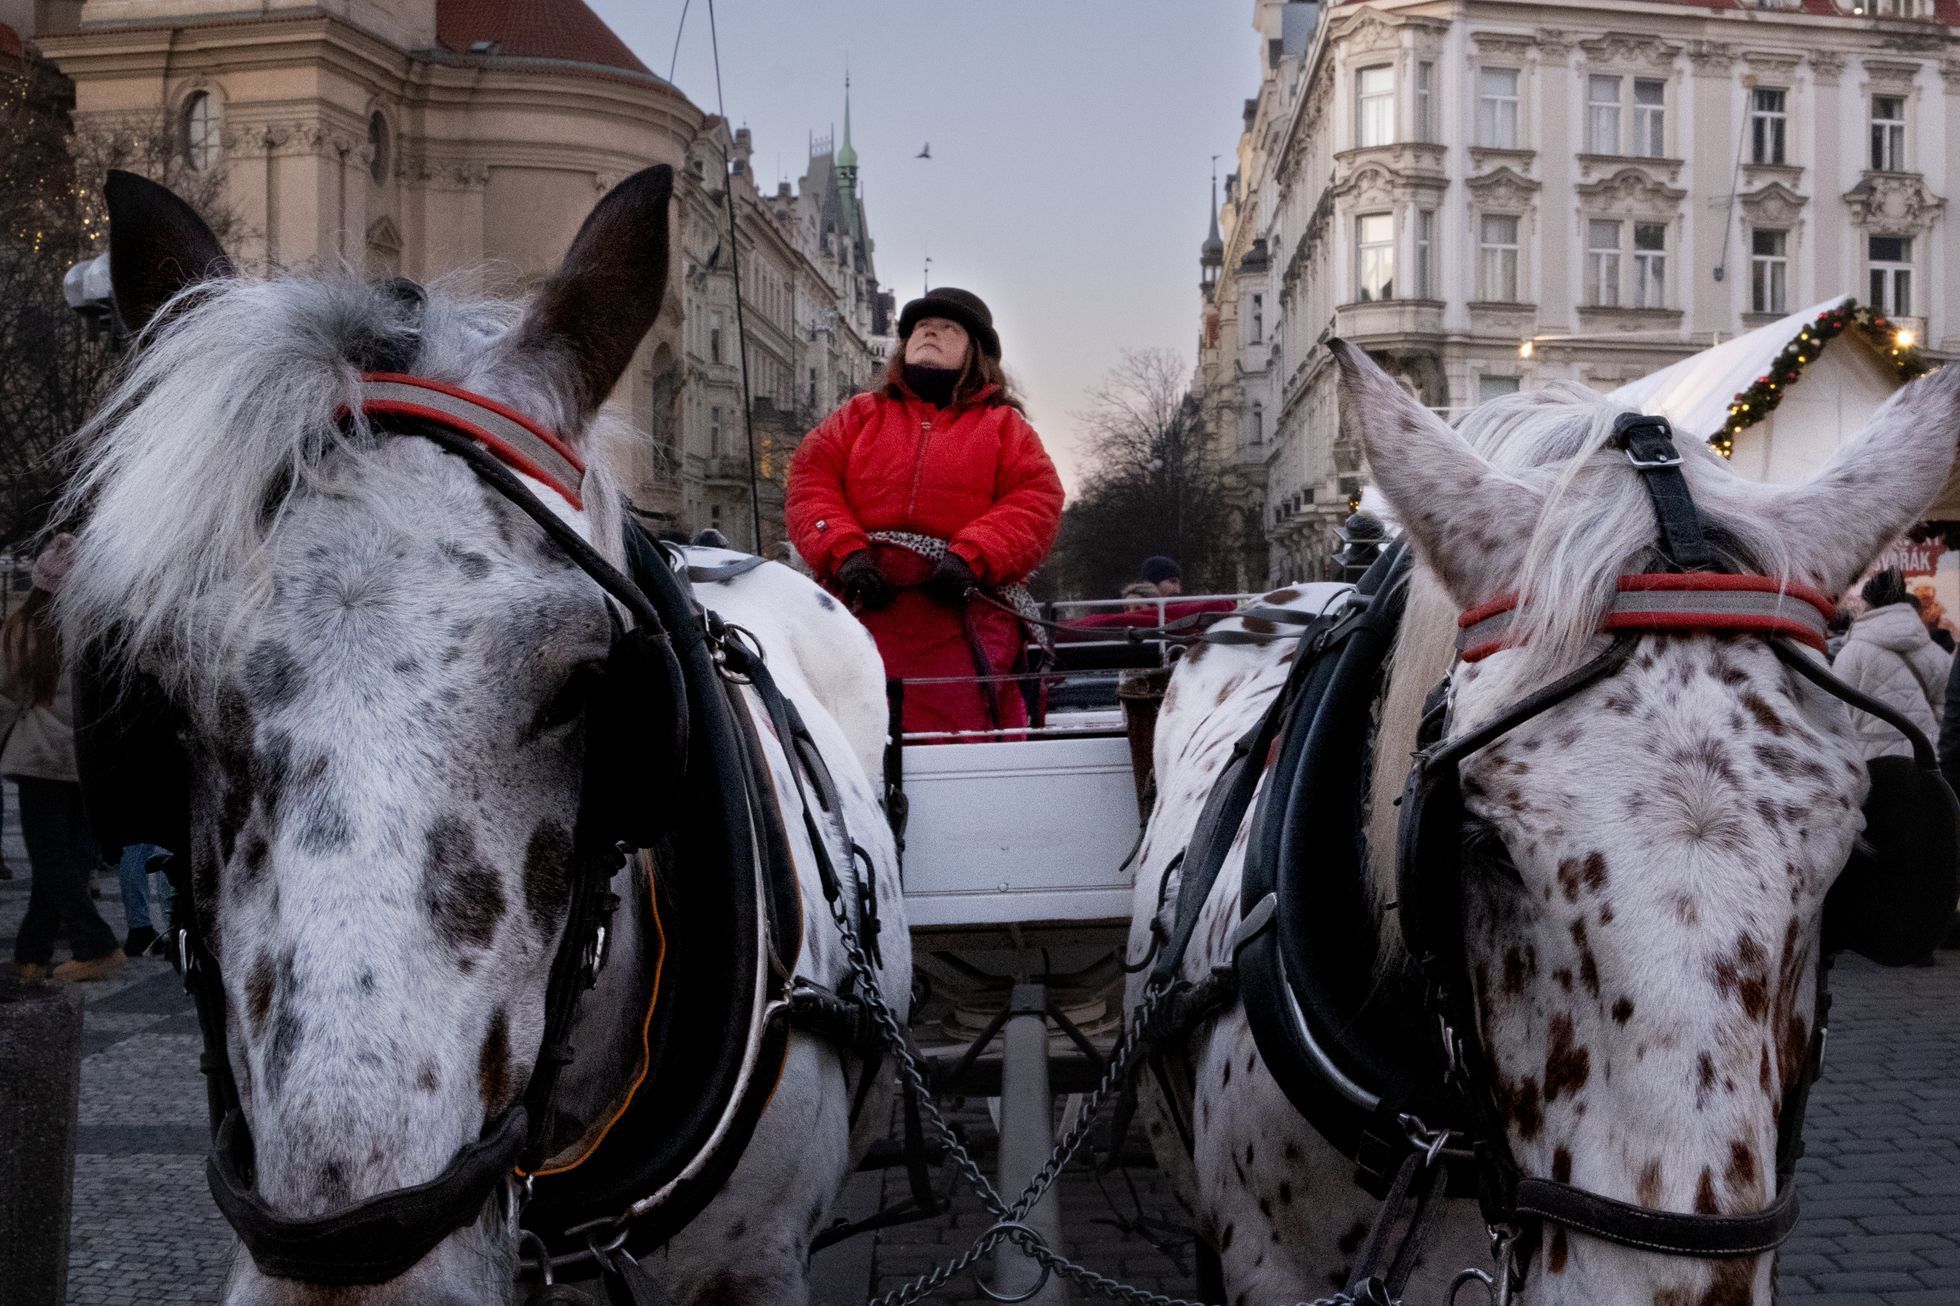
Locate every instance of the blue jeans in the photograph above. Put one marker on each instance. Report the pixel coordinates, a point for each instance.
(134, 871)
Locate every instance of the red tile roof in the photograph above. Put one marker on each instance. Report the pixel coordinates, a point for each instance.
(534, 29)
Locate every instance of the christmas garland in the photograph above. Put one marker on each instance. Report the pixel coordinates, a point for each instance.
(1766, 392)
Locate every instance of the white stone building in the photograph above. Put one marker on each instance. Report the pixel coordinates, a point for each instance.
(1487, 196)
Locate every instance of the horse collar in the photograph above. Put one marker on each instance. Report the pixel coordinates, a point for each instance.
(1696, 602)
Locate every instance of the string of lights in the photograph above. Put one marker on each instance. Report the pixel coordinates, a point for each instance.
(1895, 343)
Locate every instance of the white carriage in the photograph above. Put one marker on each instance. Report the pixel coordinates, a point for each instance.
(1018, 877)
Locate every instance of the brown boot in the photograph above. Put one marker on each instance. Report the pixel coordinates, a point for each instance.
(96, 968)
(31, 970)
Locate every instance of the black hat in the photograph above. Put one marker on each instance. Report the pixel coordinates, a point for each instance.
(1159, 568)
(961, 306)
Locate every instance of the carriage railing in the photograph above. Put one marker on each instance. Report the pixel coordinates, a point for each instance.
(1080, 686)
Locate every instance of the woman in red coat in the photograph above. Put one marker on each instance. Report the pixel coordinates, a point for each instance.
(931, 486)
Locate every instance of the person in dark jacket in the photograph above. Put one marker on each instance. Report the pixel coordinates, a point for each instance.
(40, 759)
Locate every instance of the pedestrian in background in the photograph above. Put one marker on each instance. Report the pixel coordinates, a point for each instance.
(1165, 574)
(138, 862)
(39, 758)
(1890, 656)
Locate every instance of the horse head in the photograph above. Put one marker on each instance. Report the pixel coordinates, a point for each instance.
(382, 678)
(1646, 861)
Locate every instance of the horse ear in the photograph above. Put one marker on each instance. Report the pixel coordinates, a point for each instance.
(590, 316)
(1469, 522)
(157, 247)
(1874, 487)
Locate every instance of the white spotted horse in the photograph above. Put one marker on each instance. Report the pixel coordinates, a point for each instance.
(1555, 1009)
(372, 646)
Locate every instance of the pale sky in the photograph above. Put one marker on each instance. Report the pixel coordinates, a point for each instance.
(1071, 152)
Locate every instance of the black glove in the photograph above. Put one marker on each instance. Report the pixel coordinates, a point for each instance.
(952, 580)
(865, 587)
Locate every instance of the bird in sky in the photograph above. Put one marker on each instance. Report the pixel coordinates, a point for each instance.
(925, 151)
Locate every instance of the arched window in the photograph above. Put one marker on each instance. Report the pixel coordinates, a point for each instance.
(202, 132)
(377, 147)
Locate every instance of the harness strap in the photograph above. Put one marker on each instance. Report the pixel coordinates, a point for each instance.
(514, 438)
(1649, 445)
(1675, 602)
(1671, 1233)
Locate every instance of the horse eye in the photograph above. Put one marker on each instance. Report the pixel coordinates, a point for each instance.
(568, 703)
(1484, 846)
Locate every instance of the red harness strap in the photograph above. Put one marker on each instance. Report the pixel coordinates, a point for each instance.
(1674, 602)
(515, 439)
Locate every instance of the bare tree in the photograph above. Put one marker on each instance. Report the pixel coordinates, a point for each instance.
(1153, 486)
(51, 216)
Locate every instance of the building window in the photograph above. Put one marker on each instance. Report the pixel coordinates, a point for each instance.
(714, 431)
(1603, 263)
(1649, 118)
(1603, 115)
(1425, 84)
(1495, 387)
(1257, 427)
(1497, 259)
(1650, 265)
(1888, 133)
(203, 132)
(1768, 120)
(1375, 106)
(1891, 274)
(1425, 254)
(1769, 270)
(1497, 108)
(714, 338)
(1374, 238)
(377, 148)
(1258, 319)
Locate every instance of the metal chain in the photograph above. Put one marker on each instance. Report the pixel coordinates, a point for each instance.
(1007, 1227)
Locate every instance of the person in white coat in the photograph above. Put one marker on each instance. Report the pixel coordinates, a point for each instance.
(1889, 655)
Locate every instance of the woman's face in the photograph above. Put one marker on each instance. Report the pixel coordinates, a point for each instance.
(937, 342)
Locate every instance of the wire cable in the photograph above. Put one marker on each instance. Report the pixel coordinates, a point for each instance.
(741, 326)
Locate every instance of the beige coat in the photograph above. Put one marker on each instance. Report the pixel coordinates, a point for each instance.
(41, 745)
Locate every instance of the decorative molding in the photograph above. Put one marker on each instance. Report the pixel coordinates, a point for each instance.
(1893, 204)
(1596, 168)
(1772, 63)
(1631, 192)
(1950, 69)
(445, 174)
(1883, 76)
(1369, 32)
(1774, 205)
(1512, 45)
(1554, 43)
(1502, 191)
(1711, 56)
(1826, 66)
(383, 236)
(1627, 50)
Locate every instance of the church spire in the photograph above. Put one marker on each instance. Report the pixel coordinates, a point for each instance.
(847, 157)
(1211, 255)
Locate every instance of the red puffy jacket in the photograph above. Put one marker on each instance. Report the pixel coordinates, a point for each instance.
(975, 476)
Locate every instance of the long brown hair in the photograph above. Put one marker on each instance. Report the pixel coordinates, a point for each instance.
(981, 370)
(32, 645)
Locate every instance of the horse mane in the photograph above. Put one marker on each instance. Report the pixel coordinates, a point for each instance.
(1595, 524)
(230, 411)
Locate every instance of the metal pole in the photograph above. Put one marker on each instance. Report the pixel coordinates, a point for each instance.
(1027, 1129)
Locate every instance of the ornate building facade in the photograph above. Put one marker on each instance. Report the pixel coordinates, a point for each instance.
(1488, 197)
(428, 136)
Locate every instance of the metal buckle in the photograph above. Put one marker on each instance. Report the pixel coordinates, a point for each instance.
(1670, 459)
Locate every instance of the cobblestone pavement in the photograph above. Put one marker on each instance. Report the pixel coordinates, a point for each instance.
(1881, 1185)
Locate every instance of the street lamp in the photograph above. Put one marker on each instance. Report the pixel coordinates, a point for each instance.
(88, 290)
